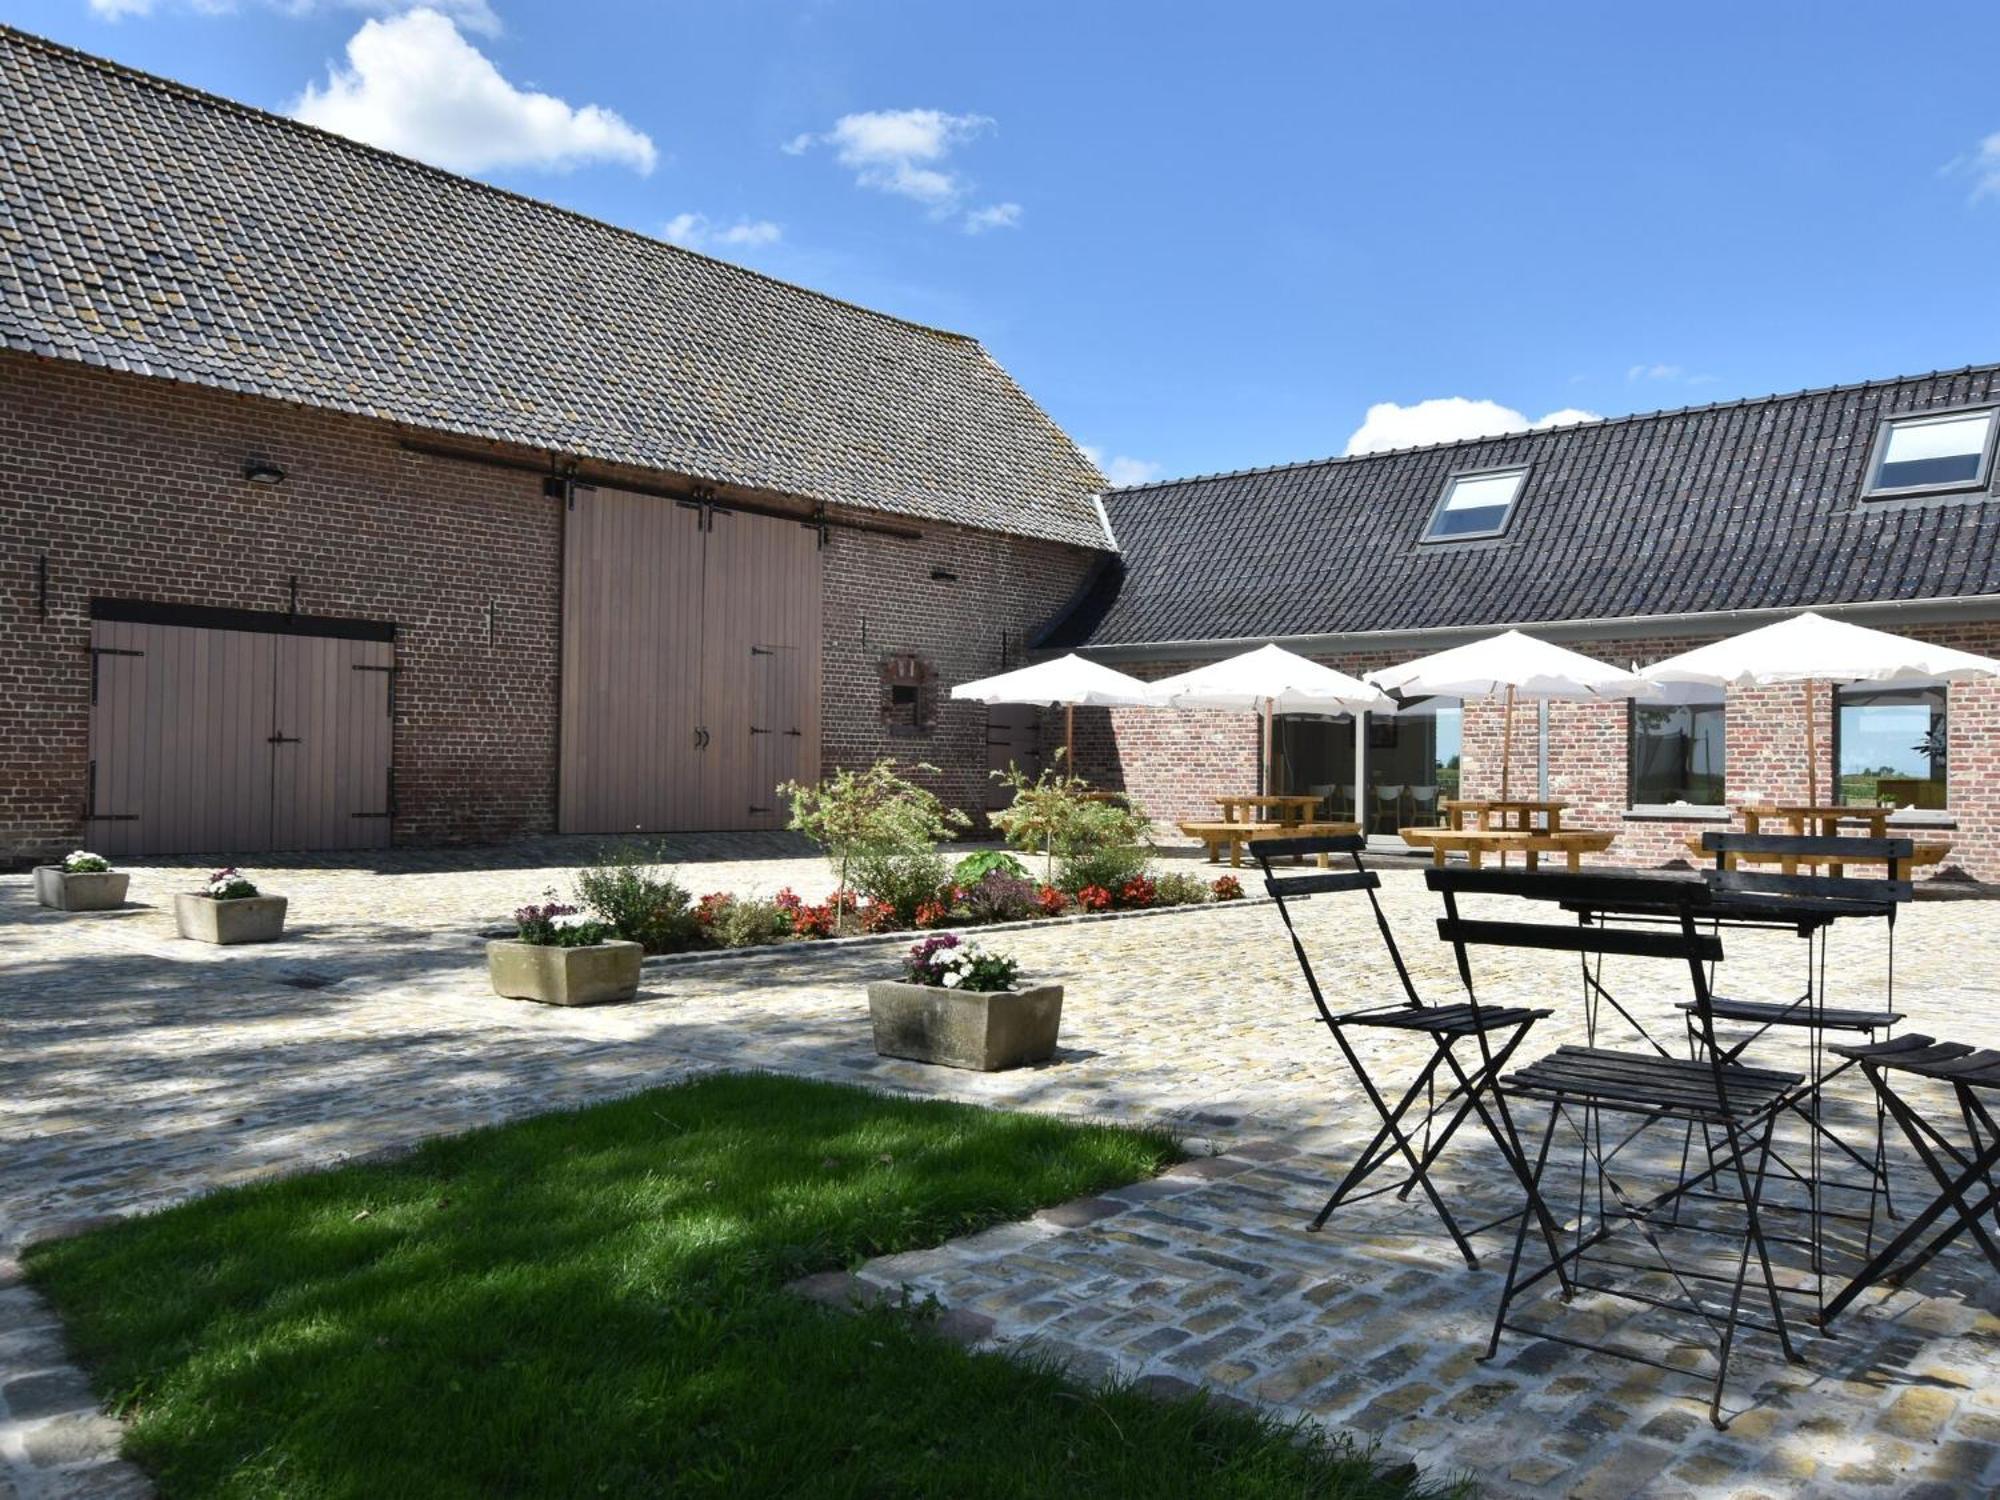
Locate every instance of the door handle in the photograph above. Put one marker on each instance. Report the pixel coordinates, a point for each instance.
(701, 739)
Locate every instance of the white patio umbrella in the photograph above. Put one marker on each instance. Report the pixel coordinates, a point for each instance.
(1273, 680)
(1812, 648)
(1516, 666)
(1066, 682)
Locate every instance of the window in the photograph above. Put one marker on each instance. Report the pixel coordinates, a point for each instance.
(1914, 455)
(1890, 745)
(1475, 505)
(1677, 754)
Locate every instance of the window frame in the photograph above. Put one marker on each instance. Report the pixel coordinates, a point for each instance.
(1633, 706)
(1451, 482)
(1886, 427)
(1867, 688)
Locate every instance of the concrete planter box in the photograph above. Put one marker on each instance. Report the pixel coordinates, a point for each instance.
(88, 890)
(247, 919)
(986, 1030)
(593, 975)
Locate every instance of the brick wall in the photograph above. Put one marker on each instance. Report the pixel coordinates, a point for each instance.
(132, 488)
(1174, 762)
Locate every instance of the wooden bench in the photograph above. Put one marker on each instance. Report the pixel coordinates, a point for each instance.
(1931, 853)
(1236, 835)
(1476, 843)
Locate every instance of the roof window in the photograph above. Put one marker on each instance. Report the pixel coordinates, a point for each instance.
(1916, 455)
(1475, 505)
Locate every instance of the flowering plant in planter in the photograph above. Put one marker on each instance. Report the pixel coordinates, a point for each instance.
(558, 926)
(1227, 888)
(944, 962)
(1094, 898)
(1138, 893)
(229, 884)
(83, 862)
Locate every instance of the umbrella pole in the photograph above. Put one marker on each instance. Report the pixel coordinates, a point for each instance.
(1812, 751)
(1270, 764)
(1507, 746)
(1069, 739)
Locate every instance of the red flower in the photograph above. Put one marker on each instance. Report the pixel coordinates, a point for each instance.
(933, 914)
(844, 901)
(707, 909)
(1138, 891)
(1227, 888)
(879, 917)
(1094, 898)
(813, 921)
(788, 900)
(1051, 901)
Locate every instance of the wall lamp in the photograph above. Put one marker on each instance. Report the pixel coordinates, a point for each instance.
(263, 471)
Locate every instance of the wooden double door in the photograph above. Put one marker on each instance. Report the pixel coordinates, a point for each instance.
(691, 661)
(237, 741)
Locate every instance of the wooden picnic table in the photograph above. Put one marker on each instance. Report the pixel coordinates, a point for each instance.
(1515, 813)
(1819, 820)
(1236, 835)
(1288, 809)
(1530, 843)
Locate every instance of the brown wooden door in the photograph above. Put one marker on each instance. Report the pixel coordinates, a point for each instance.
(631, 699)
(331, 778)
(235, 741)
(760, 667)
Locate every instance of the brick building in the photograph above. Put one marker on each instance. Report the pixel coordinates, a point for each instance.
(1629, 540)
(353, 502)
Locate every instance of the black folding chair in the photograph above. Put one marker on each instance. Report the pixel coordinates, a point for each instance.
(1812, 903)
(1581, 1085)
(1498, 1030)
(1964, 1176)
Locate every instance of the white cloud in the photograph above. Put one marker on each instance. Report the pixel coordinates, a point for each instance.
(1120, 470)
(1654, 372)
(993, 216)
(1449, 419)
(907, 152)
(1983, 164)
(473, 15)
(699, 232)
(413, 85)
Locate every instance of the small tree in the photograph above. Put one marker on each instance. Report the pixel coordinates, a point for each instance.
(1058, 814)
(872, 820)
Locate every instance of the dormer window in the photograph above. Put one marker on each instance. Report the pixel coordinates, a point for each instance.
(1918, 455)
(1475, 505)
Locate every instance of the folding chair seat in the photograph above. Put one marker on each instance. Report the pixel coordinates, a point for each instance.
(1417, 1126)
(1582, 1084)
(1964, 1175)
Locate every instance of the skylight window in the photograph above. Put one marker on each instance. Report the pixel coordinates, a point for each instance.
(1950, 451)
(1475, 505)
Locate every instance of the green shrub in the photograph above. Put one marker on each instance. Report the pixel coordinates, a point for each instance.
(1103, 843)
(1060, 817)
(1179, 888)
(976, 867)
(879, 831)
(639, 901)
(901, 880)
(738, 922)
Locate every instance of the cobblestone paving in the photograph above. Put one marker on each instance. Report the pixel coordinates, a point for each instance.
(137, 1070)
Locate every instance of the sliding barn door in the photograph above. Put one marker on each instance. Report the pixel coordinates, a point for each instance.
(690, 664)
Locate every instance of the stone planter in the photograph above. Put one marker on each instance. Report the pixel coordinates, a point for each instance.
(247, 919)
(982, 1029)
(86, 890)
(593, 975)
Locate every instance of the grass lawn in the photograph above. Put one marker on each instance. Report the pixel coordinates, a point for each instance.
(591, 1304)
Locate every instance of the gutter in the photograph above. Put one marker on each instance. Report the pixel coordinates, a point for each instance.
(1948, 609)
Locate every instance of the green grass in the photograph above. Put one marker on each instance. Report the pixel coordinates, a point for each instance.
(591, 1304)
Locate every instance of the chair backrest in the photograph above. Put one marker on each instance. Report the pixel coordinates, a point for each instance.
(1285, 889)
(1851, 893)
(1595, 933)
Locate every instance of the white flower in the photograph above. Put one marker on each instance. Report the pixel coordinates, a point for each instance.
(571, 919)
(951, 981)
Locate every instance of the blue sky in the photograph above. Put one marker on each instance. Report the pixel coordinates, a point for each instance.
(1211, 236)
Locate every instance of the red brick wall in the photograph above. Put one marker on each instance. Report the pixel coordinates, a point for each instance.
(132, 487)
(1174, 762)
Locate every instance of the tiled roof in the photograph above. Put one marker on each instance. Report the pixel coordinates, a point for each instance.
(149, 227)
(1745, 505)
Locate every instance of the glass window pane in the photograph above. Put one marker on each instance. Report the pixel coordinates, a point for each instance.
(1476, 503)
(1678, 754)
(1892, 745)
(1315, 755)
(1934, 451)
(1412, 764)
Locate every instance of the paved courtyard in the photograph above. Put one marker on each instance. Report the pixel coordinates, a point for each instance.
(137, 1070)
